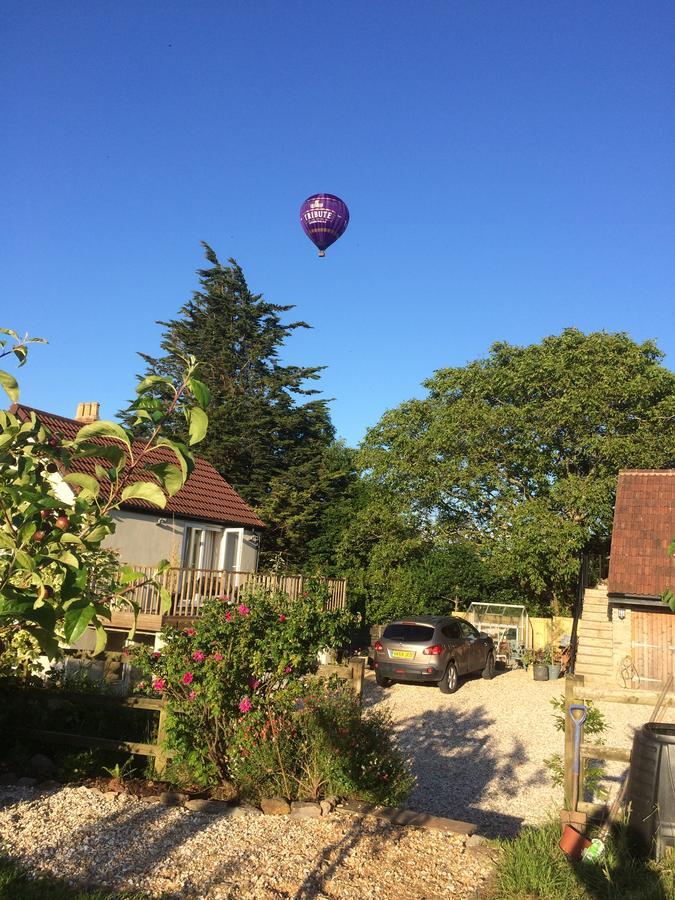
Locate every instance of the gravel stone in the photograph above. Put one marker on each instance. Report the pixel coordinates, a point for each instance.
(479, 754)
(301, 809)
(275, 806)
(85, 838)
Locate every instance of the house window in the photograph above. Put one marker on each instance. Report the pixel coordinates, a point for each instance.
(202, 548)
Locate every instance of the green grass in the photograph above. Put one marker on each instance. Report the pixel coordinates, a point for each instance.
(533, 866)
(15, 885)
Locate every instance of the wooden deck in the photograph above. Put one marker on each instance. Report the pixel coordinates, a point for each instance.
(189, 588)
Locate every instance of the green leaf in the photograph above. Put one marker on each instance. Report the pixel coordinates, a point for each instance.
(162, 566)
(101, 638)
(69, 538)
(11, 387)
(170, 476)
(165, 600)
(128, 575)
(75, 622)
(199, 422)
(145, 490)
(97, 534)
(150, 381)
(200, 392)
(24, 561)
(179, 451)
(6, 541)
(99, 451)
(102, 429)
(86, 482)
(69, 559)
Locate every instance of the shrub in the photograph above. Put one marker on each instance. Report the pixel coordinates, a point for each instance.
(214, 670)
(310, 739)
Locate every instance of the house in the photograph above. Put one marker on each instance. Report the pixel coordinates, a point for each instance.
(626, 634)
(205, 525)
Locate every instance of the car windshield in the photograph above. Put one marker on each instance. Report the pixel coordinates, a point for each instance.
(409, 633)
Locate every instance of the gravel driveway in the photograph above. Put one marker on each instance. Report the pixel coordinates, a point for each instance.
(124, 843)
(479, 754)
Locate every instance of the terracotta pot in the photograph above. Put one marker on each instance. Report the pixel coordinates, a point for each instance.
(573, 843)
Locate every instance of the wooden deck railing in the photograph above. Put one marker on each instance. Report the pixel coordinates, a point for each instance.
(189, 588)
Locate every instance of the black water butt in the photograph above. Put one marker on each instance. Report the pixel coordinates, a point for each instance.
(651, 789)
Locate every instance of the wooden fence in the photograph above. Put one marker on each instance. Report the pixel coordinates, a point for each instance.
(189, 588)
(156, 750)
(576, 691)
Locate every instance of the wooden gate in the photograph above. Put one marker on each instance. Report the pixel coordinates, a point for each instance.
(653, 646)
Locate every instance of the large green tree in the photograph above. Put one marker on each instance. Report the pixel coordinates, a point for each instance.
(268, 435)
(519, 453)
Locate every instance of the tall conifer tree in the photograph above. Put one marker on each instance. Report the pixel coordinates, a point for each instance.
(269, 446)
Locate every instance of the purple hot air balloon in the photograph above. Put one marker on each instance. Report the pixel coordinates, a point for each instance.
(324, 218)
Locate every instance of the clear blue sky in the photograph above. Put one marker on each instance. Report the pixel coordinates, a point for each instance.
(508, 167)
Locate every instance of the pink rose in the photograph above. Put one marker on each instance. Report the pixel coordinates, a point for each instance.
(228, 616)
(217, 656)
(190, 632)
(158, 684)
(192, 695)
(198, 656)
(282, 618)
(187, 678)
(245, 705)
(156, 654)
(254, 682)
(243, 610)
(288, 669)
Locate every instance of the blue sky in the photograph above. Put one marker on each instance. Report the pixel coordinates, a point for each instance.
(508, 168)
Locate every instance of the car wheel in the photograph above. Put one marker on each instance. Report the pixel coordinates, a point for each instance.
(489, 670)
(450, 681)
(382, 681)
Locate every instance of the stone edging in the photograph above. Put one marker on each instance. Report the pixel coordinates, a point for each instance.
(398, 816)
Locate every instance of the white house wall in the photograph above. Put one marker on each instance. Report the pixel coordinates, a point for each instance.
(139, 539)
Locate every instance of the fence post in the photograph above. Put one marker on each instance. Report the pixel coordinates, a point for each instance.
(357, 665)
(160, 756)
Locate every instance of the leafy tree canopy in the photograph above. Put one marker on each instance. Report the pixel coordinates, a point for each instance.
(519, 452)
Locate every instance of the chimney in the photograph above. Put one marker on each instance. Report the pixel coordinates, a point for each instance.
(87, 412)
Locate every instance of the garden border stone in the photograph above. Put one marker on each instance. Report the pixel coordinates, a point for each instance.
(400, 816)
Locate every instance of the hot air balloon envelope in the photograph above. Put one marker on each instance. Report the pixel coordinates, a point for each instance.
(324, 218)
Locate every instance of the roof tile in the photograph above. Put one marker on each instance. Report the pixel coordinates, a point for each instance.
(205, 495)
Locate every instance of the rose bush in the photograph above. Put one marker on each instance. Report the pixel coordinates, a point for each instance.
(218, 669)
(310, 739)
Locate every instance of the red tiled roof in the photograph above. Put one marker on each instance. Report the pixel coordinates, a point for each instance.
(644, 526)
(205, 495)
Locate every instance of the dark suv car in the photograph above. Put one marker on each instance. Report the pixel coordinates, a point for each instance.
(432, 648)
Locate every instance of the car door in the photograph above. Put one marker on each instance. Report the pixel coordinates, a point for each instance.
(476, 648)
(457, 646)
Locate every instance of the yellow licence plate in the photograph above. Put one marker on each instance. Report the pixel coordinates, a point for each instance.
(402, 654)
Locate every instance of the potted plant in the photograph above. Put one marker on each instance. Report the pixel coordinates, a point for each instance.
(527, 658)
(553, 660)
(540, 666)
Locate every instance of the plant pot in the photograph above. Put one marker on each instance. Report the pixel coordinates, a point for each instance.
(540, 672)
(573, 843)
(554, 671)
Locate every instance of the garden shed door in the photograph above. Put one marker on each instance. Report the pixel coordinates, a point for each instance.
(653, 643)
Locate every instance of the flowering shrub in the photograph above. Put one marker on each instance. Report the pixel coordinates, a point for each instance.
(219, 669)
(310, 739)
